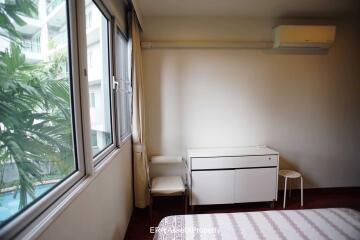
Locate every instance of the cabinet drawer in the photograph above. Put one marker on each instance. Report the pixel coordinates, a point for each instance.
(212, 187)
(234, 162)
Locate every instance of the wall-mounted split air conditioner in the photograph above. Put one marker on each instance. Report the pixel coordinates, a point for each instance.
(302, 36)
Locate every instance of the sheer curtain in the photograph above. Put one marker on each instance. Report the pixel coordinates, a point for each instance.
(138, 119)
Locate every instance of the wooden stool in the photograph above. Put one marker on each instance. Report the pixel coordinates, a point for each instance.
(291, 174)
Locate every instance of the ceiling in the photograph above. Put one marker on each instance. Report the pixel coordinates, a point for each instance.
(249, 8)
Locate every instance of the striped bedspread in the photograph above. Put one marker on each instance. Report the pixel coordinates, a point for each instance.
(330, 223)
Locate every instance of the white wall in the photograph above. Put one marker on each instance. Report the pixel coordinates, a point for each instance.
(103, 209)
(306, 106)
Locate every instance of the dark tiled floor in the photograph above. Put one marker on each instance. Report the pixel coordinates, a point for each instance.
(313, 198)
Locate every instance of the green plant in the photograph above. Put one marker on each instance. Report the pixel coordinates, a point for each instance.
(11, 12)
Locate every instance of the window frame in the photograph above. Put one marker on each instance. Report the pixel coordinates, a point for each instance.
(36, 217)
(106, 13)
(121, 140)
(18, 222)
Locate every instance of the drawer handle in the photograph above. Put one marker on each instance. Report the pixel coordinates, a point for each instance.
(269, 158)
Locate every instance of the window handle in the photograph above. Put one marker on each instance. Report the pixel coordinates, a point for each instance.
(115, 84)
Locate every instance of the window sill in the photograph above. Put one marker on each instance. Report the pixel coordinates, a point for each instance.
(42, 222)
(125, 139)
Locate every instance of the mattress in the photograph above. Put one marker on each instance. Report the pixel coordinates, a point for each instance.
(329, 223)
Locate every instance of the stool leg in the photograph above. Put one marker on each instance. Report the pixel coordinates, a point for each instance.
(285, 192)
(151, 209)
(186, 201)
(302, 192)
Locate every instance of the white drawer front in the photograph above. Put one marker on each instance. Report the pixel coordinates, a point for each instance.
(234, 162)
(212, 187)
(255, 185)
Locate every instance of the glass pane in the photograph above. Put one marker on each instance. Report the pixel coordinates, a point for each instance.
(99, 77)
(36, 133)
(123, 77)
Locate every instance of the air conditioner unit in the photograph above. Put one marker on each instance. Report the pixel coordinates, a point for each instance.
(303, 36)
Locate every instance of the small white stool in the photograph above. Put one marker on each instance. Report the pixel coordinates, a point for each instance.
(291, 174)
(166, 185)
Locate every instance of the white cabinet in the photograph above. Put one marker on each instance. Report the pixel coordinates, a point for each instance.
(236, 175)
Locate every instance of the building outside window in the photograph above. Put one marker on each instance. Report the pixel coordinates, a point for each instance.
(92, 99)
(88, 17)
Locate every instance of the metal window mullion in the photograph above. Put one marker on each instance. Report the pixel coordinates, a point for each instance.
(111, 34)
(84, 87)
(76, 87)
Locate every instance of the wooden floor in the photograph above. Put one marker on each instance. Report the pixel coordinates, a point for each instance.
(139, 226)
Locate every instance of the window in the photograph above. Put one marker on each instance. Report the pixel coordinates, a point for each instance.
(43, 110)
(99, 78)
(94, 144)
(88, 18)
(92, 100)
(124, 93)
(93, 139)
(38, 131)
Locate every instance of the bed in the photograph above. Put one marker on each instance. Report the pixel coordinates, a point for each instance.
(329, 223)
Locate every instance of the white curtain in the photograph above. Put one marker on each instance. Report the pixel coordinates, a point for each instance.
(138, 119)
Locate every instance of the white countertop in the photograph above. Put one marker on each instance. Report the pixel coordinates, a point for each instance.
(234, 151)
